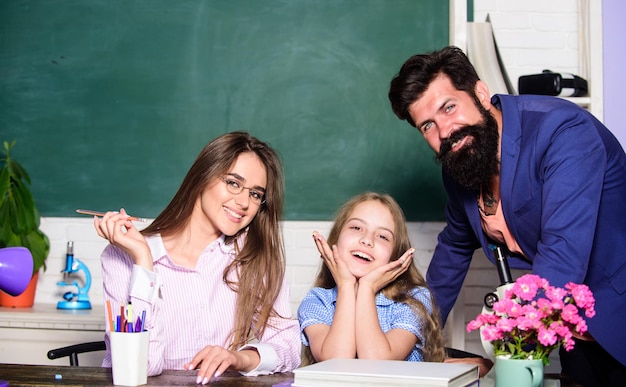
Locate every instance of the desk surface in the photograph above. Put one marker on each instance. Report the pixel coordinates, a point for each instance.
(38, 375)
(41, 376)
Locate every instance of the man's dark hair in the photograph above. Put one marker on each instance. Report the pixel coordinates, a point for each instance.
(420, 70)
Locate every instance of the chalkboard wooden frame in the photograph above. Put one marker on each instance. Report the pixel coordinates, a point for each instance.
(111, 100)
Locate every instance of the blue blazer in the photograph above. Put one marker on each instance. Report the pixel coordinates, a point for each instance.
(563, 193)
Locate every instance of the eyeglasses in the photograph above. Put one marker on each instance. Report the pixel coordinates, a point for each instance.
(235, 187)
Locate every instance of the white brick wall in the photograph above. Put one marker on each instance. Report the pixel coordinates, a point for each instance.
(533, 35)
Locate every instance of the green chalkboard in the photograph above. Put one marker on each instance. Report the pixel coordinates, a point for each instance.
(111, 100)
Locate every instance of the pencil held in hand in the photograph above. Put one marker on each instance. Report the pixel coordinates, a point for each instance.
(99, 213)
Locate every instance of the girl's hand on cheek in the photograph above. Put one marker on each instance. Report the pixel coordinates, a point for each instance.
(336, 266)
(340, 271)
(322, 245)
(386, 274)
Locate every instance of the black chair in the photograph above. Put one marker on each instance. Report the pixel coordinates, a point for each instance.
(73, 350)
(460, 354)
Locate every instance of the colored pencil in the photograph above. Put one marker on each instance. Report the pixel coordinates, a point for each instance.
(100, 213)
(110, 316)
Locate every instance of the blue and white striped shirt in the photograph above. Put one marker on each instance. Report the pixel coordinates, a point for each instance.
(318, 307)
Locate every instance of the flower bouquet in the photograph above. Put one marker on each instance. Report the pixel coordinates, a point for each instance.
(534, 318)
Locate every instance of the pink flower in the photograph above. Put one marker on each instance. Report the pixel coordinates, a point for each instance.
(570, 314)
(507, 306)
(582, 295)
(544, 307)
(526, 286)
(557, 304)
(581, 327)
(531, 313)
(546, 337)
(568, 342)
(559, 328)
(491, 333)
(473, 325)
(534, 318)
(555, 294)
(481, 320)
(488, 318)
(506, 324)
(525, 324)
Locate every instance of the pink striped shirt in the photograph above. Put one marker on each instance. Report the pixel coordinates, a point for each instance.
(188, 309)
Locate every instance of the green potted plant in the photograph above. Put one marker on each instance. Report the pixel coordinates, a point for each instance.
(19, 216)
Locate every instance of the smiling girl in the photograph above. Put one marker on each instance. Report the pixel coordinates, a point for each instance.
(369, 301)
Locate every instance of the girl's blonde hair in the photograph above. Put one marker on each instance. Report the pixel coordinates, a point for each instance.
(399, 290)
(260, 264)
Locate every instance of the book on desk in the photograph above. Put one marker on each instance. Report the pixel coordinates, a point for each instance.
(366, 372)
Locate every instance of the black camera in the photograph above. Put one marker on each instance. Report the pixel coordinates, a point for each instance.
(550, 83)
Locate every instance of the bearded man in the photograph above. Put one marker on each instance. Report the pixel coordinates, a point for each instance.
(539, 176)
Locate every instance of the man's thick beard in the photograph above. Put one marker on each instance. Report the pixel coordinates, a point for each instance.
(476, 163)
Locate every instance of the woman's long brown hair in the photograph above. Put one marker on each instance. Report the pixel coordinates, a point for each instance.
(259, 264)
(399, 290)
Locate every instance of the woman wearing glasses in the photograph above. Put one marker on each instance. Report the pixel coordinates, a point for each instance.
(209, 270)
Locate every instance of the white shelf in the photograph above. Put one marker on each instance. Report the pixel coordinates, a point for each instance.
(49, 317)
(27, 334)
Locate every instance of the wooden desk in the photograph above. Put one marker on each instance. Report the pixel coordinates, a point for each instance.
(39, 375)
